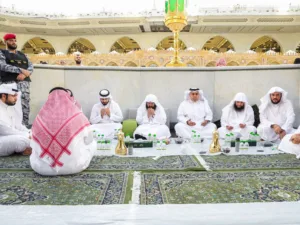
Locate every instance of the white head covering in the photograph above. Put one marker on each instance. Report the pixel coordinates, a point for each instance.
(239, 97)
(10, 89)
(187, 94)
(266, 100)
(104, 93)
(150, 98)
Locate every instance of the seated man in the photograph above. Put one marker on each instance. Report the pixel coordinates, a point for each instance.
(237, 117)
(291, 144)
(152, 119)
(195, 114)
(62, 138)
(276, 115)
(14, 137)
(106, 116)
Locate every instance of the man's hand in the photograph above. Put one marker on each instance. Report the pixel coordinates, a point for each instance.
(282, 134)
(242, 126)
(229, 127)
(26, 72)
(21, 77)
(191, 123)
(103, 112)
(205, 122)
(295, 139)
(151, 112)
(277, 129)
(107, 112)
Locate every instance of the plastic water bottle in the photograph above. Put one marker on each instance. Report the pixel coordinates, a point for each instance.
(154, 140)
(98, 137)
(149, 137)
(192, 136)
(94, 134)
(195, 138)
(158, 145)
(99, 145)
(199, 138)
(231, 137)
(164, 145)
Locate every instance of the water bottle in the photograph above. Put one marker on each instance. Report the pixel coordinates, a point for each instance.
(154, 140)
(158, 145)
(149, 137)
(246, 146)
(94, 134)
(108, 145)
(227, 140)
(164, 145)
(237, 144)
(192, 135)
(195, 138)
(98, 137)
(98, 145)
(102, 137)
(231, 137)
(199, 138)
(130, 148)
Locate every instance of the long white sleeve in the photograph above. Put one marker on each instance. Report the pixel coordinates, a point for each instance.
(116, 114)
(264, 120)
(95, 115)
(290, 117)
(224, 120)
(181, 117)
(141, 117)
(250, 117)
(160, 117)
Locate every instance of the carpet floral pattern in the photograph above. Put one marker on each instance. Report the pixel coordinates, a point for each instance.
(220, 187)
(83, 189)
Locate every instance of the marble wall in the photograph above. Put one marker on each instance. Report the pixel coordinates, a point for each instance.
(129, 86)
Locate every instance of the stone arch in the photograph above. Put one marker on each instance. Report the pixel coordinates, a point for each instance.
(218, 44)
(130, 64)
(38, 45)
(82, 45)
(211, 64)
(168, 42)
(125, 45)
(233, 63)
(112, 64)
(266, 43)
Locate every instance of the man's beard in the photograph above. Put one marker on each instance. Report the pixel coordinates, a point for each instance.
(9, 103)
(104, 103)
(150, 107)
(275, 103)
(78, 62)
(239, 109)
(10, 47)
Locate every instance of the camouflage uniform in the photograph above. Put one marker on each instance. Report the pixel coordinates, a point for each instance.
(23, 86)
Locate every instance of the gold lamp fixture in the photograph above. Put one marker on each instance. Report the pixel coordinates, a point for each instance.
(175, 20)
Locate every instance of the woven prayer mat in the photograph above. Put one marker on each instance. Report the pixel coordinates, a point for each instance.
(220, 187)
(249, 162)
(18, 188)
(117, 163)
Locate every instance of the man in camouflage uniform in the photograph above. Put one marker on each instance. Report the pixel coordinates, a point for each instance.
(16, 67)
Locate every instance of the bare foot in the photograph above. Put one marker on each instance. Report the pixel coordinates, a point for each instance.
(27, 151)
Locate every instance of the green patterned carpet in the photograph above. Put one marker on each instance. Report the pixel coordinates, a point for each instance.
(112, 163)
(82, 189)
(248, 162)
(220, 187)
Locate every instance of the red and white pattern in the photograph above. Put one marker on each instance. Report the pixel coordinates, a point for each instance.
(58, 122)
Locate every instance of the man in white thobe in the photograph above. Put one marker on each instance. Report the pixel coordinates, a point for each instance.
(276, 115)
(152, 119)
(194, 114)
(237, 117)
(106, 116)
(291, 143)
(65, 146)
(14, 137)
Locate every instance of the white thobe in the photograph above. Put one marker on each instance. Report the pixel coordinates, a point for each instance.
(106, 125)
(14, 137)
(288, 147)
(281, 114)
(234, 118)
(153, 125)
(82, 149)
(197, 112)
